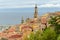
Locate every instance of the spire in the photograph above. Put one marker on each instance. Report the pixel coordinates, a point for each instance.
(22, 21)
(36, 12)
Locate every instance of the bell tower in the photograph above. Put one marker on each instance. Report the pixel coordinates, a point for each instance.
(36, 12)
(22, 21)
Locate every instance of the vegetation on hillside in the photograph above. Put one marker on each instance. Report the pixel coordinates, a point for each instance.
(48, 33)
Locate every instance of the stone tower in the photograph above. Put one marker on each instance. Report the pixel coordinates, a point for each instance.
(22, 21)
(36, 12)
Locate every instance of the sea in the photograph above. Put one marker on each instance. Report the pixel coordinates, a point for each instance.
(13, 16)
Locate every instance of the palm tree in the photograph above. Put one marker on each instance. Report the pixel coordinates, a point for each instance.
(55, 21)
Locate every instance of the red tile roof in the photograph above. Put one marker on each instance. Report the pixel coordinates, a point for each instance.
(16, 36)
(26, 27)
(32, 22)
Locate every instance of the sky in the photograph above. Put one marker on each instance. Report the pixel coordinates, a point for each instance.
(28, 3)
(11, 12)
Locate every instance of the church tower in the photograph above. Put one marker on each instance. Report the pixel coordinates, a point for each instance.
(22, 21)
(36, 12)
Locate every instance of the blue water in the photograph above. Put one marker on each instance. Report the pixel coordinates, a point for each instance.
(13, 15)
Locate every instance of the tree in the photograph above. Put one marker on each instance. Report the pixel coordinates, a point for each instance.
(58, 38)
(55, 21)
(49, 34)
(31, 36)
(36, 35)
(4, 39)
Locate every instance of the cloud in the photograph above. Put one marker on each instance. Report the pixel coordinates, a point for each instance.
(50, 5)
(17, 6)
(28, 3)
(49, 2)
(29, 6)
(16, 3)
